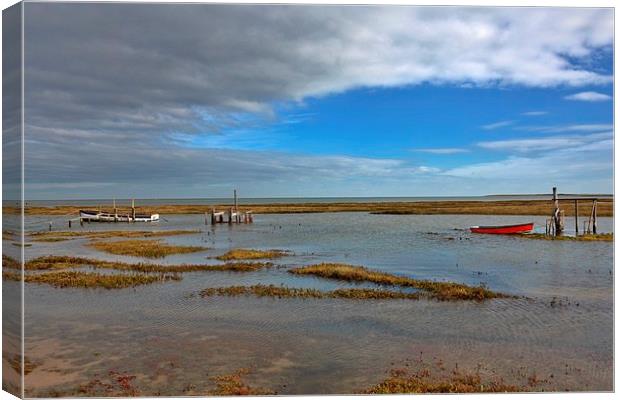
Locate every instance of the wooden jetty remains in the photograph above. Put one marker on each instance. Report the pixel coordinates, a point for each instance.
(555, 224)
(233, 215)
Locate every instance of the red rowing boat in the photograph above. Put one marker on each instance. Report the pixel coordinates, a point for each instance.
(503, 229)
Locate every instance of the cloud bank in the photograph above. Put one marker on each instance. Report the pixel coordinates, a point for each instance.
(131, 84)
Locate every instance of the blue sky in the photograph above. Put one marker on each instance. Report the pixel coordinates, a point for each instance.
(284, 101)
(441, 127)
(407, 122)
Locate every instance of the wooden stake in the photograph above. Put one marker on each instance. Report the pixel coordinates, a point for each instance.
(557, 220)
(590, 219)
(115, 212)
(594, 218)
(585, 231)
(576, 219)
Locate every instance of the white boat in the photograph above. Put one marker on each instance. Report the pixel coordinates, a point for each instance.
(103, 216)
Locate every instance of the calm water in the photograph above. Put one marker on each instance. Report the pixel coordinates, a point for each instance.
(174, 341)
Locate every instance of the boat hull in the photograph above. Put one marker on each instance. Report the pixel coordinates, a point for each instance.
(95, 216)
(504, 229)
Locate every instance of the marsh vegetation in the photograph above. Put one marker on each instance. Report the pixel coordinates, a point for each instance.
(80, 279)
(432, 289)
(601, 237)
(287, 292)
(401, 381)
(66, 262)
(56, 236)
(250, 254)
(234, 385)
(144, 248)
(141, 274)
(469, 207)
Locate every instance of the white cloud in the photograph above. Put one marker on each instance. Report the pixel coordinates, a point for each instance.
(496, 125)
(546, 143)
(588, 96)
(567, 128)
(251, 56)
(131, 84)
(534, 113)
(580, 167)
(442, 150)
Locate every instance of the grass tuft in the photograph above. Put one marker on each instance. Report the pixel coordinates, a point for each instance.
(56, 236)
(10, 262)
(436, 290)
(11, 276)
(248, 254)
(144, 248)
(286, 292)
(233, 385)
(400, 381)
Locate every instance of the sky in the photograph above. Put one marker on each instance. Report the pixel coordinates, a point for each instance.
(174, 101)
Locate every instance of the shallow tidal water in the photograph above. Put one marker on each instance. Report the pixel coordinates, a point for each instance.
(174, 341)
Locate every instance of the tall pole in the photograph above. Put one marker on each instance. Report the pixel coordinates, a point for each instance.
(557, 214)
(114, 206)
(133, 210)
(594, 218)
(235, 194)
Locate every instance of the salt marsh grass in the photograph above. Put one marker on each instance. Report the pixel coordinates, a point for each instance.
(144, 248)
(286, 292)
(436, 290)
(249, 254)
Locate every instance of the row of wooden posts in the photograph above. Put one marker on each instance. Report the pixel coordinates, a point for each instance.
(555, 224)
(233, 215)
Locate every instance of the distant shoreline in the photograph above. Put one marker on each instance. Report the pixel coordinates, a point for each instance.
(469, 207)
(300, 200)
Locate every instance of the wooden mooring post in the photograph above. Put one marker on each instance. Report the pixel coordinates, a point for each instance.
(233, 215)
(594, 216)
(557, 215)
(576, 218)
(555, 225)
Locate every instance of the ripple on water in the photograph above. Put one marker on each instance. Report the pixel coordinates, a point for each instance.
(352, 341)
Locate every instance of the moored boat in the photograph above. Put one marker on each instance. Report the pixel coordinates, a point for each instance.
(103, 216)
(503, 229)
